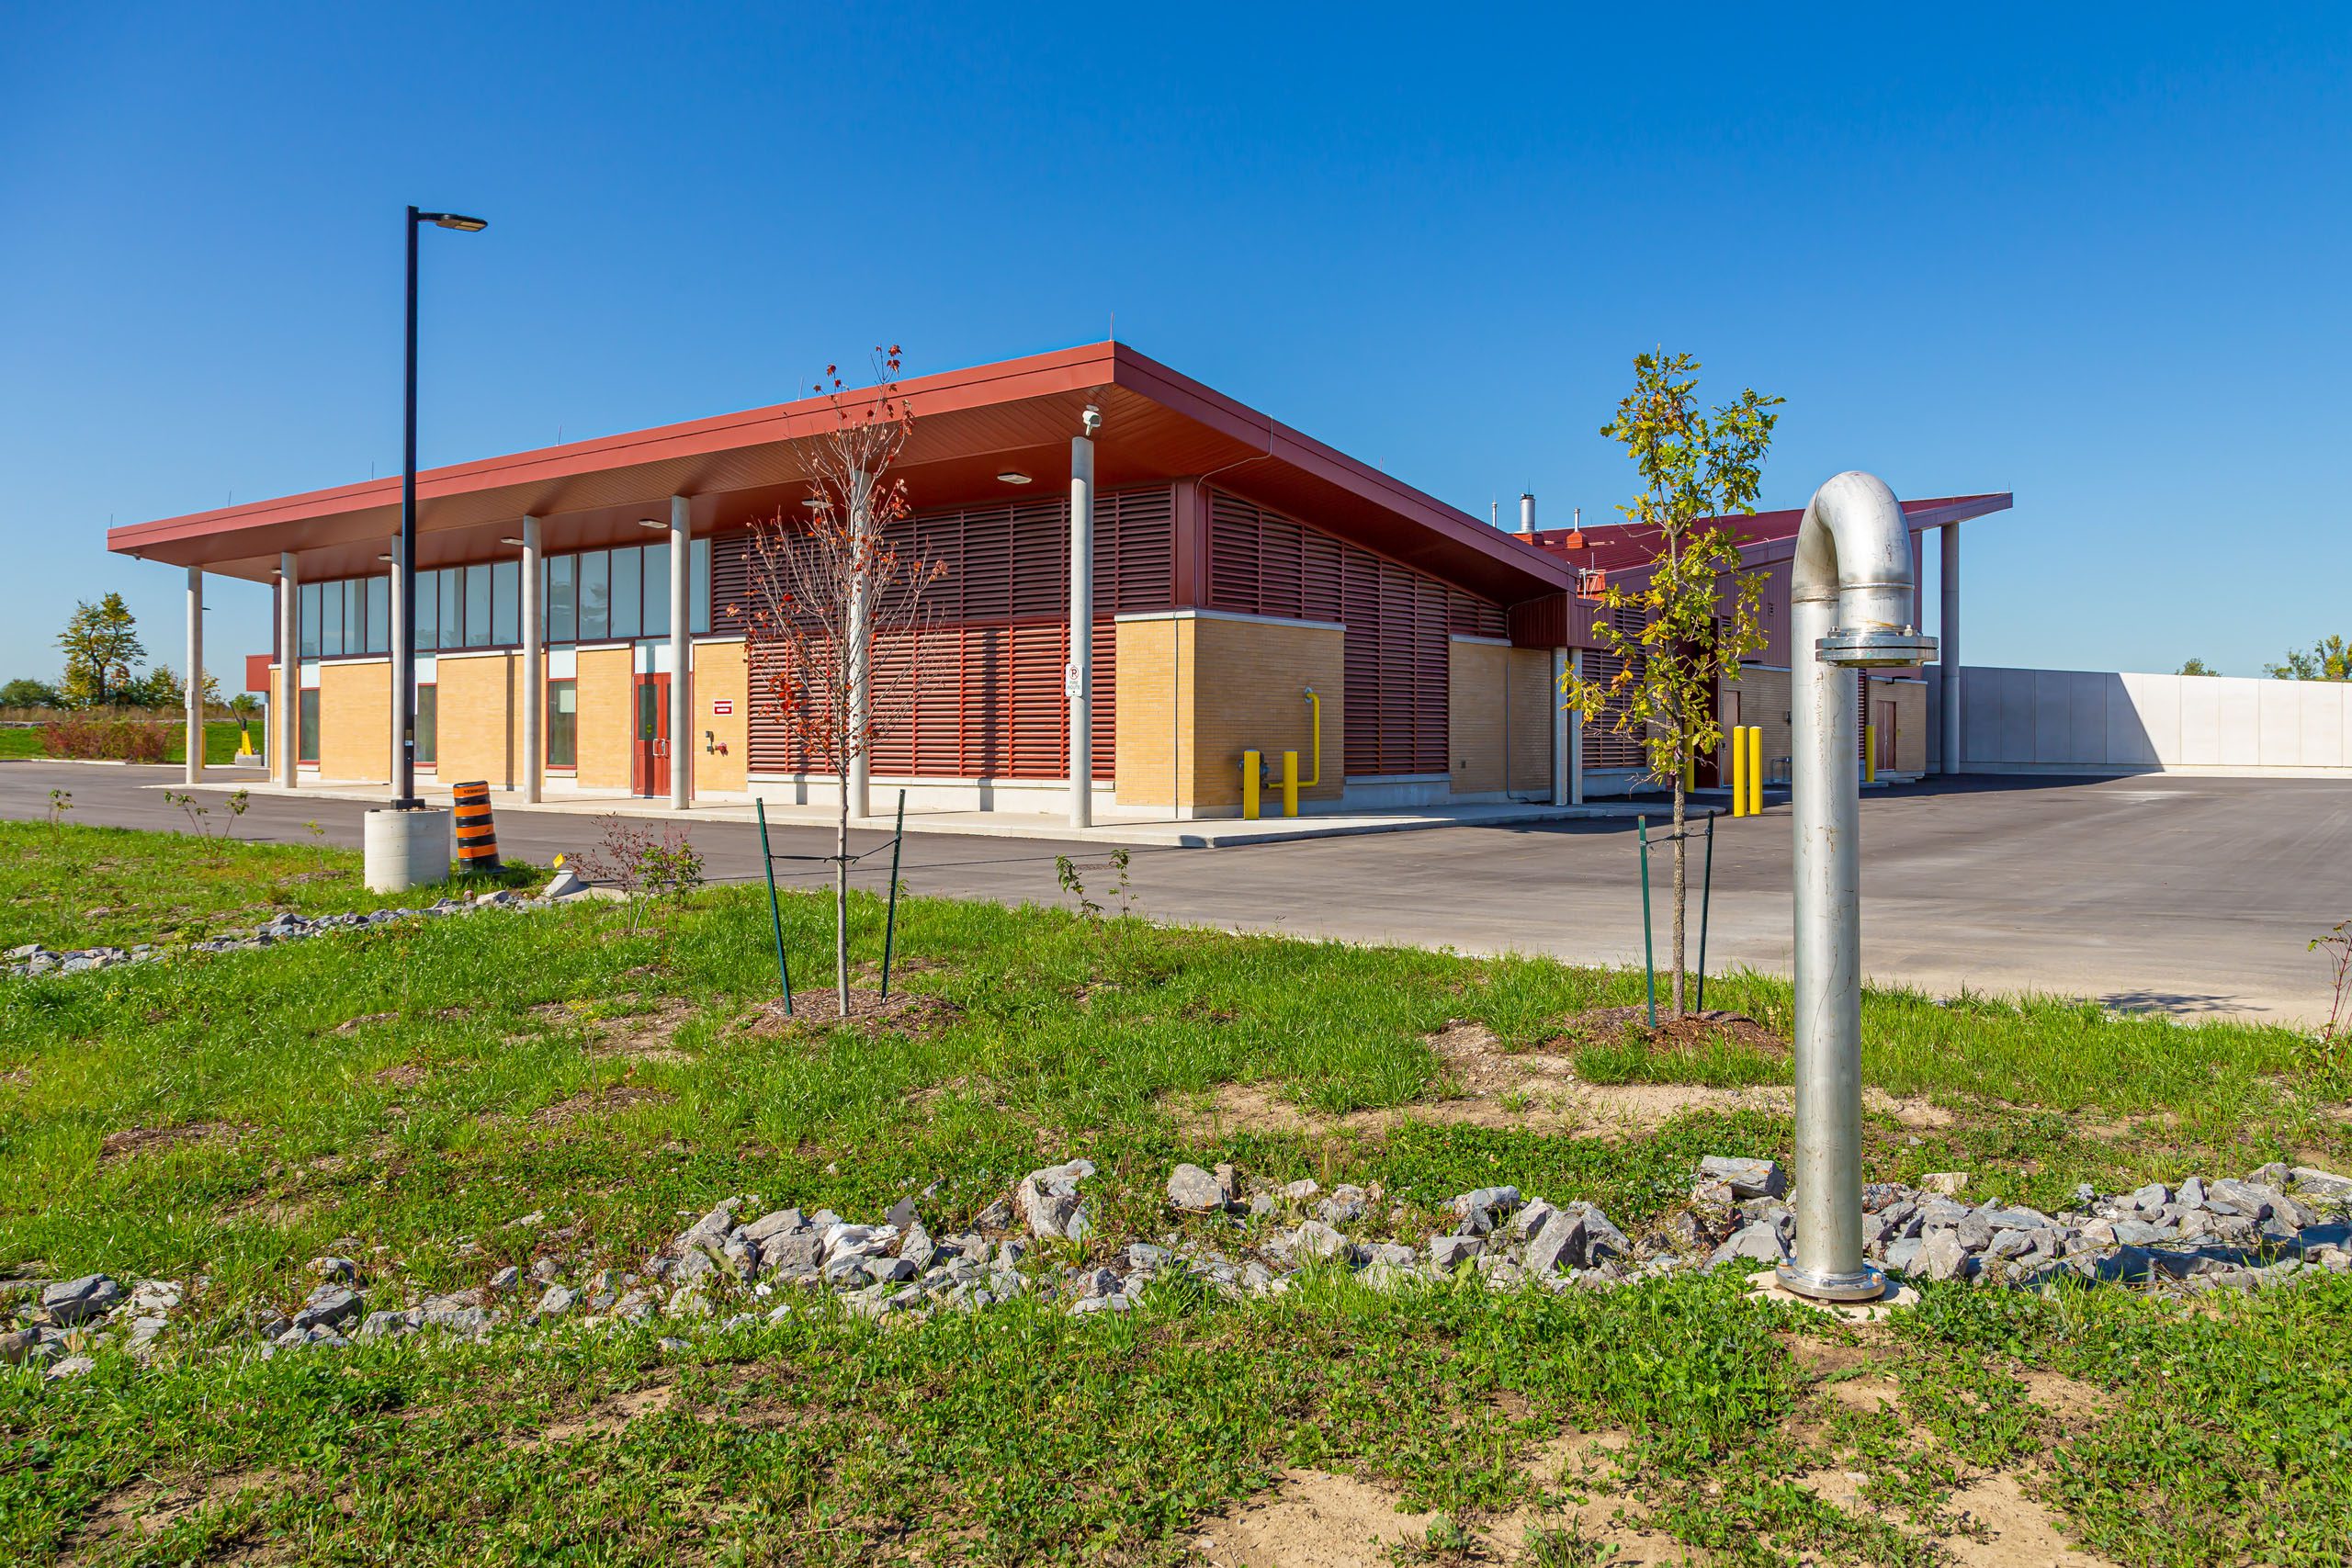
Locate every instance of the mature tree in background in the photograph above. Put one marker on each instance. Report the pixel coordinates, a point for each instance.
(101, 643)
(828, 587)
(161, 687)
(26, 693)
(1698, 610)
(2330, 658)
(2195, 666)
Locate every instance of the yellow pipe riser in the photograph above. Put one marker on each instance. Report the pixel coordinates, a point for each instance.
(1755, 770)
(1249, 765)
(1315, 708)
(1739, 772)
(1290, 784)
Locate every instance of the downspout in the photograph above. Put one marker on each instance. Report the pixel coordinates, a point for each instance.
(1851, 597)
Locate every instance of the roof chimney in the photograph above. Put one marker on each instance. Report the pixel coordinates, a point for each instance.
(1527, 512)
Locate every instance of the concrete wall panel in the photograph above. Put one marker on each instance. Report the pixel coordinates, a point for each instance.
(2087, 721)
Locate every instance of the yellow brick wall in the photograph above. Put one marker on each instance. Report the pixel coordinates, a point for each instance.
(1532, 698)
(1474, 708)
(1910, 700)
(1764, 705)
(605, 697)
(478, 718)
(720, 675)
(1155, 663)
(355, 721)
(1175, 735)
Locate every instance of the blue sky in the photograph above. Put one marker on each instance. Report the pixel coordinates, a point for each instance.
(2097, 256)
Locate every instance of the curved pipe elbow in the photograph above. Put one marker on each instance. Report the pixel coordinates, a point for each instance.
(1854, 550)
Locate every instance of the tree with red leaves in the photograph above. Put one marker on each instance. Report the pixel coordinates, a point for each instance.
(827, 588)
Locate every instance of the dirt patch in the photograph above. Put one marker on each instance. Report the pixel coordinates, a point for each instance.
(1538, 1101)
(2006, 1527)
(403, 1075)
(366, 1019)
(2069, 1399)
(1313, 1520)
(606, 1416)
(134, 1140)
(645, 1037)
(819, 1008)
(597, 1102)
(1610, 1026)
(147, 1507)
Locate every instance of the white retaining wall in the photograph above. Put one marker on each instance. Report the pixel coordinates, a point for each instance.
(2082, 721)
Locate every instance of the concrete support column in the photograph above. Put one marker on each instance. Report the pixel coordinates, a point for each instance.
(535, 680)
(1576, 736)
(1078, 679)
(1562, 723)
(286, 702)
(1948, 669)
(195, 674)
(681, 694)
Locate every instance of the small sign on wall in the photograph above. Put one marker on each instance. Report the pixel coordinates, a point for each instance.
(723, 704)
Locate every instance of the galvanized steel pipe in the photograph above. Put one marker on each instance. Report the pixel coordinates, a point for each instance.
(1850, 597)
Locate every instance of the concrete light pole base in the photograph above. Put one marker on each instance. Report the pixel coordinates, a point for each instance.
(406, 849)
(1765, 1285)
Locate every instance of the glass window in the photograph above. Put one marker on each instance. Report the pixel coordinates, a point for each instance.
(595, 596)
(563, 724)
(428, 727)
(478, 605)
(380, 615)
(307, 607)
(331, 603)
(306, 734)
(453, 622)
(563, 614)
(507, 603)
(698, 590)
(657, 591)
(355, 605)
(428, 610)
(629, 568)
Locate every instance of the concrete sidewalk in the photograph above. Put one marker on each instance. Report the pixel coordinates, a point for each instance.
(1113, 826)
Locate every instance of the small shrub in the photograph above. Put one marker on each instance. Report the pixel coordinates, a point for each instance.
(91, 737)
(642, 864)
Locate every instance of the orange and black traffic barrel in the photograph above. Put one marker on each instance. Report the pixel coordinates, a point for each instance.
(477, 836)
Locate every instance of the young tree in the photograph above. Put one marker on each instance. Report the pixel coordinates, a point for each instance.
(2330, 658)
(827, 589)
(2195, 666)
(101, 642)
(1698, 610)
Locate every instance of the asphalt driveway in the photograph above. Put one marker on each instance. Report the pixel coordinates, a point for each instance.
(2189, 896)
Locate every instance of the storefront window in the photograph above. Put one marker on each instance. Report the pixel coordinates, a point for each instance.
(563, 612)
(428, 736)
(507, 603)
(563, 724)
(306, 734)
(595, 596)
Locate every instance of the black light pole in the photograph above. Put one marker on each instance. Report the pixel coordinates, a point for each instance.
(405, 656)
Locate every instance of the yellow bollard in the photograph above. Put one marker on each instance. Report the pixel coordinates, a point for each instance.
(1290, 784)
(1755, 770)
(1870, 753)
(1739, 772)
(1249, 787)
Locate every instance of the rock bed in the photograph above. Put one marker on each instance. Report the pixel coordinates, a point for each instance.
(32, 958)
(1250, 1237)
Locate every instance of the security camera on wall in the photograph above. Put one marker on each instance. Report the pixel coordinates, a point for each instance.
(1091, 419)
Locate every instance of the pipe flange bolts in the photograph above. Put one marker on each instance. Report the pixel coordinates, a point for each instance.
(1875, 651)
(1863, 1284)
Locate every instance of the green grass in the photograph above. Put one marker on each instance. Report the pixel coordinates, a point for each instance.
(1020, 1434)
(20, 743)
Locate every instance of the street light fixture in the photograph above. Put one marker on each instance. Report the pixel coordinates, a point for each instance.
(405, 656)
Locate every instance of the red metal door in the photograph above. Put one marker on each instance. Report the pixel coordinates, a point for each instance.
(1885, 737)
(649, 770)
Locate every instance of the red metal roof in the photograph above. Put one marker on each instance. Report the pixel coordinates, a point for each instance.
(969, 425)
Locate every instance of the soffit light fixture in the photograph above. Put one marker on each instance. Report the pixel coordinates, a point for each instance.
(1013, 477)
(652, 522)
(516, 542)
(383, 557)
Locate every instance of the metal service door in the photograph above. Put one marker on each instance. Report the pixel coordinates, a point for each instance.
(649, 742)
(1885, 722)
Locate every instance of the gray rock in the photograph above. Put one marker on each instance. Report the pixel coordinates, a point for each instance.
(1903, 1257)
(1757, 1241)
(557, 1302)
(997, 1216)
(1947, 1182)
(2310, 1180)
(776, 1222)
(1561, 1243)
(383, 1325)
(69, 1367)
(1531, 1216)
(1450, 1252)
(78, 1301)
(1194, 1190)
(565, 884)
(1050, 1202)
(1745, 1178)
(1300, 1192)
(327, 1306)
(1480, 1209)
(335, 1270)
(1344, 1206)
(1944, 1256)
(1314, 1238)
(506, 1279)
